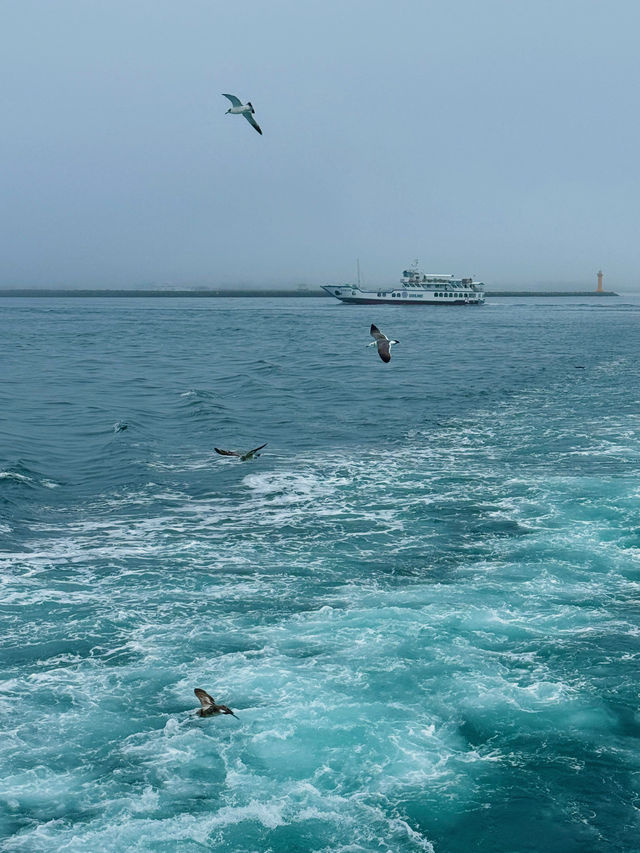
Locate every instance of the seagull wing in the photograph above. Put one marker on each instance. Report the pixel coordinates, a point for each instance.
(258, 448)
(205, 700)
(235, 102)
(375, 332)
(252, 121)
(227, 452)
(384, 349)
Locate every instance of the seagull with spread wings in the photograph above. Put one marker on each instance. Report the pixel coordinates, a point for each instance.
(248, 454)
(246, 110)
(382, 343)
(208, 706)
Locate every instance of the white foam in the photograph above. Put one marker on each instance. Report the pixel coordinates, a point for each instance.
(12, 475)
(275, 599)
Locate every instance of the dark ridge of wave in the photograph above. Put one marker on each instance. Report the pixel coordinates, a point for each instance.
(618, 306)
(263, 364)
(21, 477)
(24, 493)
(595, 306)
(118, 467)
(198, 404)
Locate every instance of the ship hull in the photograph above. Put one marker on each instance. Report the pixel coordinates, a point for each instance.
(374, 301)
(354, 296)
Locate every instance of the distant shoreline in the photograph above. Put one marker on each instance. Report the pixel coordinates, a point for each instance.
(550, 293)
(203, 294)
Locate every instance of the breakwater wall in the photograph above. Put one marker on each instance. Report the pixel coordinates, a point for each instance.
(241, 292)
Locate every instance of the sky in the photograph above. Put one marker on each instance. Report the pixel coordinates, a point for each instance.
(493, 138)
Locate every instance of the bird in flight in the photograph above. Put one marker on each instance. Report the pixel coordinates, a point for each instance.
(382, 342)
(246, 110)
(208, 706)
(249, 454)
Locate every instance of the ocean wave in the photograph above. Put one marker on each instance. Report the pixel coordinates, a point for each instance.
(421, 602)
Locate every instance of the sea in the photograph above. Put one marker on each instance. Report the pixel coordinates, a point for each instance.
(422, 600)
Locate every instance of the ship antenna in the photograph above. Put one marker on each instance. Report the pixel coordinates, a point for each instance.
(358, 265)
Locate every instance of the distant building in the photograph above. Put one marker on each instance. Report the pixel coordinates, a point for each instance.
(599, 281)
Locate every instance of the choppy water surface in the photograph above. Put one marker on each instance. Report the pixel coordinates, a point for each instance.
(422, 601)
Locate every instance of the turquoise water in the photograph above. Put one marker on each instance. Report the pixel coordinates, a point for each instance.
(422, 600)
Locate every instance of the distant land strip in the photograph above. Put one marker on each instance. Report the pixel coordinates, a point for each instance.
(173, 294)
(551, 293)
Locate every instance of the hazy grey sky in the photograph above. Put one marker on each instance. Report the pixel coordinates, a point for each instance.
(498, 138)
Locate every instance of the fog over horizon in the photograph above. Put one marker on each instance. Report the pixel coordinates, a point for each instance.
(495, 139)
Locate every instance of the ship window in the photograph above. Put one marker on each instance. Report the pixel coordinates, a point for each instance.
(337, 292)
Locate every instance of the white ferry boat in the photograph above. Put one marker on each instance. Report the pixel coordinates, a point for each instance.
(416, 288)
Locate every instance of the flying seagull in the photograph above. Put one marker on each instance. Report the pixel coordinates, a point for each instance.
(246, 110)
(250, 454)
(382, 342)
(208, 706)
